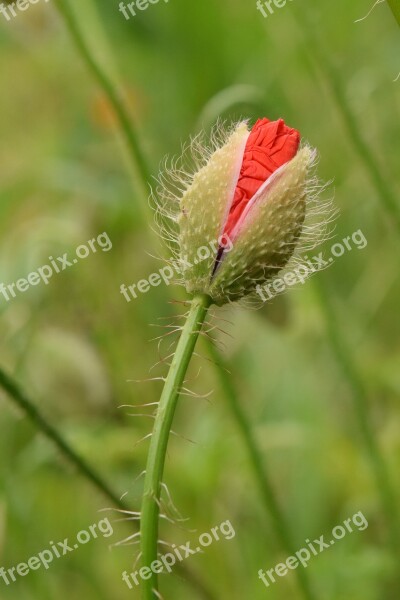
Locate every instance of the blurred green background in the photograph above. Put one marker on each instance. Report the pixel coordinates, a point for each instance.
(74, 344)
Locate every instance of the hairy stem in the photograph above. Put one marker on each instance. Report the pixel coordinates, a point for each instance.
(142, 171)
(139, 164)
(160, 436)
(280, 524)
(395, 8)
(88, 472)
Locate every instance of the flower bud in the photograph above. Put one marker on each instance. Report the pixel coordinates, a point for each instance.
(249, 201)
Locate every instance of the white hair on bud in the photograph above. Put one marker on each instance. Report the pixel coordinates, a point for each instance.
(176, 175)
(316, 230)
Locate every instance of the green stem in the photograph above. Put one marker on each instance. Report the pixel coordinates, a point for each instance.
(159, 440)
(25, 404)
(395, 8)
(140, 165)
(29, 409)
(360, 400)
(281, 527)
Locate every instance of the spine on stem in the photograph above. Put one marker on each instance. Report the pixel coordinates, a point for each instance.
(159, 439)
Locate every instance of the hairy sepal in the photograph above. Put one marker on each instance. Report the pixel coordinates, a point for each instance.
(266, 236)
(203, 209)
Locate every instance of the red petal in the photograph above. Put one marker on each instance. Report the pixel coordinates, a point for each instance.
(270, 145)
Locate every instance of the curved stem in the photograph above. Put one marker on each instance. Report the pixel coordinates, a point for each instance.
(139, 162)
(86, 470)
(160, 436)
(280, 524)
(395, 8)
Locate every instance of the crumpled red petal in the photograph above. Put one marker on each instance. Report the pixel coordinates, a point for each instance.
(270, 145)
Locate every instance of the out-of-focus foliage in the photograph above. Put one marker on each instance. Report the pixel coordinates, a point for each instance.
(75, 343)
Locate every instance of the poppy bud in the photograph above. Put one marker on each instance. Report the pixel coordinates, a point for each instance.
(249, 199)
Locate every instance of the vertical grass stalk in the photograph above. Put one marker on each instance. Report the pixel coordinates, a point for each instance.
(334, 83)
(360, 401)
(390, 203)
(159, 439)
(106, 84)
(279, 522)
(395, 8)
